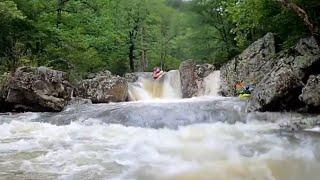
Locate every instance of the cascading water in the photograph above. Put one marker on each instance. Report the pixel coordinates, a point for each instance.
(197, 138)
(183, 139)
(145, 88)
(169, 86)
(211, 85)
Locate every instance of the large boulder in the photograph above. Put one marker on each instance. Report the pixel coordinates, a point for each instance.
(4, 84)
(132, 77)
(103, 88)
(250, 66)
(276, 90)
(311, 93)
(281, 87)
(38, 89)
(188, 78)
(192, 77)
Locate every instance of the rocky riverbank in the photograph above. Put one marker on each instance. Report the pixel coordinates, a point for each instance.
(284, 81)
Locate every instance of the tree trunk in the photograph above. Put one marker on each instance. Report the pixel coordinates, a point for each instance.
(143, 52)
(132, 44)
(60, 4)
(59, 10)
(312, 27)
(131, 55)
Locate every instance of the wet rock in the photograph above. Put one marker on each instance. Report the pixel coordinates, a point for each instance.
(188, 78)
(281, 87)
(131, 77)
(311, 93)
(204, 70)
(38, 89)
(4, 84)
(192, 77)
(278, 89)
(103, 88)
(250, 66)
(299, 124)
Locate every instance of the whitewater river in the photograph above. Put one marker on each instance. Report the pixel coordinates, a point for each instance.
(182, 139)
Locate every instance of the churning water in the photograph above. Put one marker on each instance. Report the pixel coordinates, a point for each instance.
(163, 137)
(167, 87)
(100, 142)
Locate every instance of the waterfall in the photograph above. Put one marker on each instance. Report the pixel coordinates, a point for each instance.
(169, 86)
(145, 88)
(212, 84)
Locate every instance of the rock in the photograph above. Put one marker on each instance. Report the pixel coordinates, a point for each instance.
(105, 73)
(311, 93)
(204, 70)
(79, 101)
(188, 78)
(38, 89)
(307, 46)
(250, 66)
(299, 124)
(131, 77)
(280, 89)
(103, 88)
(4, 84)
(276, 91)
(192, 77)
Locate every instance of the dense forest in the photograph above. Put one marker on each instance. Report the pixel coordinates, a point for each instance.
(84, 36)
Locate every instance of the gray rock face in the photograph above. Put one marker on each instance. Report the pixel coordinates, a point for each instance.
(4, 84)
(131, 77)
(250, 66)
(192, 77)
(280, 89)
(311, 93)
(276, 90)
(204, 70)
(188, 78)
(103, 88)
(38, 89)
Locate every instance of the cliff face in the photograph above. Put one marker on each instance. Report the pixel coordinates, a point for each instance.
(282, 80)
(250, 66)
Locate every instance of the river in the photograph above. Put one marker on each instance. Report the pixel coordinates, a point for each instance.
(178, 139)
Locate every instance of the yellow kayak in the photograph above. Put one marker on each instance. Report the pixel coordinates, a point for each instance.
(244, 96)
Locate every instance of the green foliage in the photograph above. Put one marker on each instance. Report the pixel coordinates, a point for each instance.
(81, 36)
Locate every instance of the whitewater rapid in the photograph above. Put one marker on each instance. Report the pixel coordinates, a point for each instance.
(157, 136)
(33, 150)
(169, 86)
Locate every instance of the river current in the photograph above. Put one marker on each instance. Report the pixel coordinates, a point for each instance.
(158, 136)
(194, 139)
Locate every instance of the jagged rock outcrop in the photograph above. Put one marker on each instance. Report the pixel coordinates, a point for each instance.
(188, 78)
(300, 123)
(311, 93)
(4, 85)
(204, 70)
(38, 89)
(131, 77)
(103, 87)
(281, 87)
(192, 77)
(250, 66)
(276, 90)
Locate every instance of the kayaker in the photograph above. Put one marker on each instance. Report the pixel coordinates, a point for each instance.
(240, 87)
(157, 73)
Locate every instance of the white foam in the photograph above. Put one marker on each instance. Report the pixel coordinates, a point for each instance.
(168, 87)
(200, 151)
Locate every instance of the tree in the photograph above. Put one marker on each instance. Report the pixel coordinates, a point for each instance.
(301, 12)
